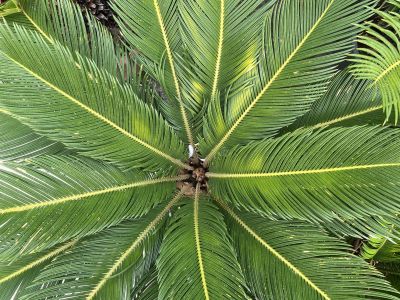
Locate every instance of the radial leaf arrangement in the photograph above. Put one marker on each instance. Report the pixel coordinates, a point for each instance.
(219, 150)
(379, 57)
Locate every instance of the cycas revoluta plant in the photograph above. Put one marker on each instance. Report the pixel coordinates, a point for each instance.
(244, 178)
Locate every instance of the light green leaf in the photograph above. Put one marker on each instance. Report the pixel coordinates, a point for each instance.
(64, 21)
(112, 259)
(347, 102)
(295, 260)
(379, 248)
(316, 176)
(18, 142)
(379, 60)
(58, 198)
(8, 8)
(80, 105)
(303, 43)
(151, 27)
(196, 259)
(17, 275)
(223, 41)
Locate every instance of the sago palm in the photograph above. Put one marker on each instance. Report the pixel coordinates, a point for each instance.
(215, 152)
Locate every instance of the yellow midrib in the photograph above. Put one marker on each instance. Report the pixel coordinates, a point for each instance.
(133, 246)
(38, 261)
(219, 51)
(387, 70)
(5, 112)
(267, 86)
(98, 115)
(38, 28)
(301, 172)
(90, 194)
(346, 117)
(197, 240)
(175, 77)
(273, 251)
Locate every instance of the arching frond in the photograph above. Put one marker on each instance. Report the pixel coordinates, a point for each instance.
(17, 275)
(347, 102)
(294, 260)
(63, 21)
(82, 33)
(69, 100)
(303, 43)
(59, 198)
(379, 60)
(112, 259)
(19, 142)
(223, 40)
(362, 228)
(151, 28)
(340, 171)
(196, 259)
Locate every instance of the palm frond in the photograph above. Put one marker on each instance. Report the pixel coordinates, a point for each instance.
(381, 249)
(391, 272)
(340, 171)
(379, 60)
(8, 8)
(196, 259)
(63, 21)
(70, 100)
(112, 259)
(347, 102)
(384, 253)
(211, 30)
(58, 198)
(147, 287)
(362, 228)
(151, 28)
(294, 260)
(18, 142)
(303, 43)
(16, 275)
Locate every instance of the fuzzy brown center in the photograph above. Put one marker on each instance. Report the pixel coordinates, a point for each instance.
(196, 176)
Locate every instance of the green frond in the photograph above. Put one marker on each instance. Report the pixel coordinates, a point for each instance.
(58, 198)
(381, 249)
(362, 228)
(196, 259)
(295, 260)
(347, 102)
(151, 28)
(223, 40)
(147, 287)
(391, 272)
(8, 8)
(18, 142)
(74, 102)
(384, 253)
(63, 21)
(303, 43)
(379, 57)
(112, 259)
(340, 171)
(291, 188)
(145, 30)
(16, 275)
